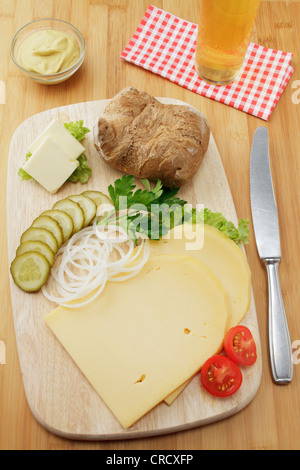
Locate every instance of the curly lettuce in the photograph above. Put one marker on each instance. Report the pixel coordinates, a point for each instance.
(239, 234)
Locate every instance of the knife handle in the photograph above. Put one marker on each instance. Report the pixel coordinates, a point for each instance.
(279, 338)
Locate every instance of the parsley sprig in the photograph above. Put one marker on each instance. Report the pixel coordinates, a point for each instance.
(150, 211)
(125, 187)
(155, 211)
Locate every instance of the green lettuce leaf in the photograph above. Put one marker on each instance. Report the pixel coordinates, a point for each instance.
(77, 129)
(22, 173)
(82, 173)
(238, 234)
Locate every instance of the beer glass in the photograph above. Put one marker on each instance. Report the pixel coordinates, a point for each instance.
(225, 27)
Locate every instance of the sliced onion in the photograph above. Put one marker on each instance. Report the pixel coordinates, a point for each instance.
(85, 264)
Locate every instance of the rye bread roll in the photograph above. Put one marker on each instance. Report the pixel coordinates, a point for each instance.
(140, 136)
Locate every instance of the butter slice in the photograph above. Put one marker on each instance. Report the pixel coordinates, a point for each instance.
(63, 137)
(50, 165)
(143, 338)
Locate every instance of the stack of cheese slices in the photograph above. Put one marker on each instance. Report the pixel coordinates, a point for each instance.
(141, 341)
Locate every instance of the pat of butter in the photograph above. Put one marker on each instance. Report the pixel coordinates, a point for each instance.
(63, 137)
(50, 165)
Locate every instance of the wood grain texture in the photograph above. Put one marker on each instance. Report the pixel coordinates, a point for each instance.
(271, 421)
(58, 394)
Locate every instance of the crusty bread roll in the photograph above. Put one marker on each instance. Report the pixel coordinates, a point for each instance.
(140, 136)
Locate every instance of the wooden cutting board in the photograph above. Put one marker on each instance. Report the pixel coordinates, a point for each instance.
(58, 394)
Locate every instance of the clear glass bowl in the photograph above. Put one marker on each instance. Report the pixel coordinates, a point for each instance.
(42, 24)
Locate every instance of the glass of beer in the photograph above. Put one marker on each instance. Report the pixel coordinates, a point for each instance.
(225, 27)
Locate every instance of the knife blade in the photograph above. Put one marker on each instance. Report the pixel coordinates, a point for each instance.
(266, 230)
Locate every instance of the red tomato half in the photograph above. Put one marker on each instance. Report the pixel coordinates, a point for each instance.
(240, 346)
(221, 377)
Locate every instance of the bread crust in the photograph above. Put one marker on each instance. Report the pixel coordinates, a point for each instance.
(143, 137)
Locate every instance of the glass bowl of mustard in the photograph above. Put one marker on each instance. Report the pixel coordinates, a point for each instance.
(48, 50)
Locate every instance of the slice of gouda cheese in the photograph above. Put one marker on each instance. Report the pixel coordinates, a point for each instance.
(143, 338)
(222, 256)
(226, 260)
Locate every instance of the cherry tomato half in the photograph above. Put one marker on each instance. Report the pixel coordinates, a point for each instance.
(221, 377)
(240, 346)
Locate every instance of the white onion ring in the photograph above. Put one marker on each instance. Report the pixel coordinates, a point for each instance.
(89, 253)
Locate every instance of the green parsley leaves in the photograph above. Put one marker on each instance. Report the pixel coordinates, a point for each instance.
(125, 187)
(152, 212)
(155, 211)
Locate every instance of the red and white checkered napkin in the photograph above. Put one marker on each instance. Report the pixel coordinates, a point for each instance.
(166, 45)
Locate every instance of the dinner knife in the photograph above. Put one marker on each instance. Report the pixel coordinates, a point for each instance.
(266, 229)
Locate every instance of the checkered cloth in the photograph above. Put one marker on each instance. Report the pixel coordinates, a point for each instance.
(166, 45)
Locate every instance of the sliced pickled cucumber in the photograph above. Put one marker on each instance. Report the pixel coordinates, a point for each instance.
(98, 197)
(65, 221)
(44, 221)
(30, 271)
(38, 247)
(41, 234)
(103, 202)
(88, 206)
(74, 210)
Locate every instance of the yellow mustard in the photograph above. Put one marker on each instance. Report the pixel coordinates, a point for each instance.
(48, 51)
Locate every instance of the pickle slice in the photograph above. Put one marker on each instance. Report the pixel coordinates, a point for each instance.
(37, 247)
(74, 210)
(44, 221)
(88, 206)
(41, 234)
(103, 202)
(30, 271)
(98, 197)
(65, 221)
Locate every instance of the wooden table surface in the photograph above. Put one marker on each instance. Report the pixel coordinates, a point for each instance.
(272, 419)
